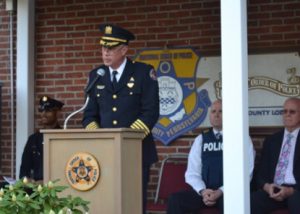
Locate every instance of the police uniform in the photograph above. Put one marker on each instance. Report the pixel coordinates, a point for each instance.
(32, 158)
(132, 103)
(204, 171)
(212, 160)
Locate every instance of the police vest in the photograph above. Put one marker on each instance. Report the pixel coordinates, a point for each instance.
(212, 160)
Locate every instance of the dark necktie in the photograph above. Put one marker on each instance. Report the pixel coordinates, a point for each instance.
(114, 82)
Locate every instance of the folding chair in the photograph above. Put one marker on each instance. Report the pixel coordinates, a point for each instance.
(171, 179)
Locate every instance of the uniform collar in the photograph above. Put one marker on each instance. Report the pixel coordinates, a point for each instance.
(119, 69)
(217, 131)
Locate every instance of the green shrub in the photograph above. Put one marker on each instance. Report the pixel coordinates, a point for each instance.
(30, 198)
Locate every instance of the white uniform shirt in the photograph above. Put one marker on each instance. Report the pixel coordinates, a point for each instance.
(193, 173)
(120, 70)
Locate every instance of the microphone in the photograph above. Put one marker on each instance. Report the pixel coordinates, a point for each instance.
(100, 73)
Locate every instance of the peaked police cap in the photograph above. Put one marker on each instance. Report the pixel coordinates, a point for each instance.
(47, 103)
(114, 35)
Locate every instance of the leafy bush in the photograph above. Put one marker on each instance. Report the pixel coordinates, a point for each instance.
(30, 198)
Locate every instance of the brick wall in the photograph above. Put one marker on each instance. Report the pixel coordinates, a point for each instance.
(67, 47)
(5, 79)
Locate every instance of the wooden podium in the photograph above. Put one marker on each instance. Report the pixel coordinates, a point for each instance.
(118, 153)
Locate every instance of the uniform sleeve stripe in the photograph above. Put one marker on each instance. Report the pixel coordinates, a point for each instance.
(92, 125)
(143, 125)
(134, 126)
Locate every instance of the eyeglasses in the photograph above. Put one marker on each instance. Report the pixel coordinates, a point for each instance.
(289, 111)
(215, 111)
(112, 50)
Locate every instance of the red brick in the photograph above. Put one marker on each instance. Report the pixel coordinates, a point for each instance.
(268, 8)
(282, 15)
(284, 43)
(260, 16)
(282, 29)
(292, 35)
(294, 21)
(271, 22)
(258, 30)
(271, 37)
(191, 5)
(292, 6)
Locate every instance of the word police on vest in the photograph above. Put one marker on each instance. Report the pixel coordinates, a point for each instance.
(213, 146)
(100, 72)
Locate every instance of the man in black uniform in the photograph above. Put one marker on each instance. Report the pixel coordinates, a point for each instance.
(124, 95)
(32, 158)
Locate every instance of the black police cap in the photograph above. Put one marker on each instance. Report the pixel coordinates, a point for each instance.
(114, 35)
(48, 103)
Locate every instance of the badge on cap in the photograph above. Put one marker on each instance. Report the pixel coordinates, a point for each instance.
(47, 103)
(108, 30)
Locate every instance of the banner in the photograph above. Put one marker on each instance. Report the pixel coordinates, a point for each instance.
(189, 83)
(183, 105)
(272, 78)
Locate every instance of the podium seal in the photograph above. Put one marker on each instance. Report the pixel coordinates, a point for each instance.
(82, 171)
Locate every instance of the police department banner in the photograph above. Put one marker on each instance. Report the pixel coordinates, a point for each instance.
(183, 103)
(188, 83)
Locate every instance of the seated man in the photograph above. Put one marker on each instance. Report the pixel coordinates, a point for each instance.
(278, 176)
(204, 172)
(32, 158)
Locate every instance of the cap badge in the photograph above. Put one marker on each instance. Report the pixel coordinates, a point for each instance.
(45, 98)
(108, 30)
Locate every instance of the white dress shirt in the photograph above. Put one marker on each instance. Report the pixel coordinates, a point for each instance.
(119, 69)
(193, 173)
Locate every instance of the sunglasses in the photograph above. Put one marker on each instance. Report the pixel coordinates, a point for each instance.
(289, 111)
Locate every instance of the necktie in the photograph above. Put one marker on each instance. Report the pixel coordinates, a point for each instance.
(283, 161)
(114, 82)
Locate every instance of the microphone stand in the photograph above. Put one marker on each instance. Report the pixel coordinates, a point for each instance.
(100, 73)
(75, 112)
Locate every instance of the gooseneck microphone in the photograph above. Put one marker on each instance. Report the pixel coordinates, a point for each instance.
(100, 73)
(87, 90)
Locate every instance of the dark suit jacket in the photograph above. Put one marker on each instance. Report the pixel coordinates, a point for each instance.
(32, 158)
(134, 101)
(269, 159)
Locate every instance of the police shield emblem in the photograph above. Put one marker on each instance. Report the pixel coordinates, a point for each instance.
(183, 105)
